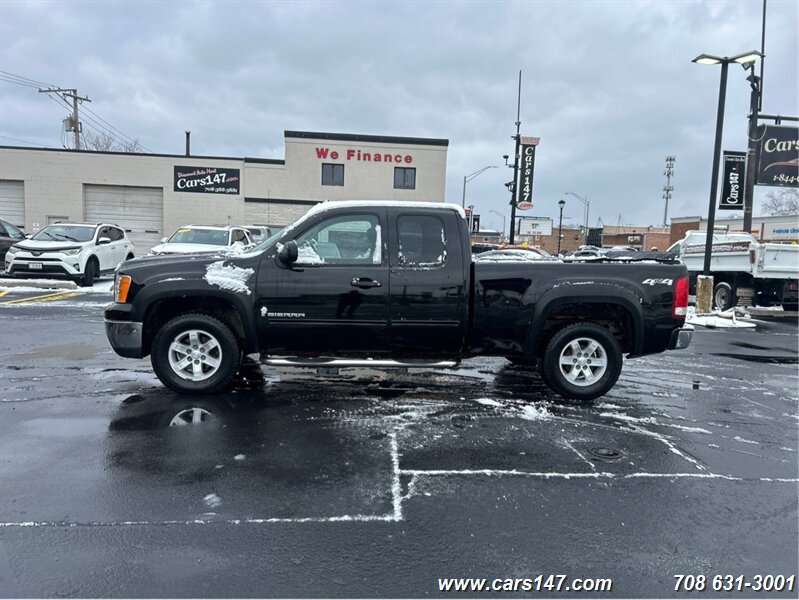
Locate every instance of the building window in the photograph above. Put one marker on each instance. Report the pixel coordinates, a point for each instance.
(404, 178)
(332, 174)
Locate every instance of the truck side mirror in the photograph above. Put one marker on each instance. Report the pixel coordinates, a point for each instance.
(288, 253)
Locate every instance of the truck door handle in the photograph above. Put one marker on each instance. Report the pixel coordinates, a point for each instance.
(365, 282)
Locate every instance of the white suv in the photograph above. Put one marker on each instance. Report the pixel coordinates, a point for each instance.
(190, 239)
(79, 251)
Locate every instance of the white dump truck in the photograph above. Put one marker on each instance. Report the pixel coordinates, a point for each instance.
(745, 271)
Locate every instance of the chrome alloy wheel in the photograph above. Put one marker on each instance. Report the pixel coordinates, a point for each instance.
(195, 355)
(583, 361)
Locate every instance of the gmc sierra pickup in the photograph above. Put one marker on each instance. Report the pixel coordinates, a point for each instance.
(392, 284)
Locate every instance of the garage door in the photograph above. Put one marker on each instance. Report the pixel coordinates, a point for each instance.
(12, 202)
(138, 210)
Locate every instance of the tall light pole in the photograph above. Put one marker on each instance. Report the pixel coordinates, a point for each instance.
(499, 214)
(513, 185)
(468, 178)
(708, 59)
(561, 203)
(586, 206)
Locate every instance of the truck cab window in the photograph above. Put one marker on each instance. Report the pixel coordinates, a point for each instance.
(422, 242)
(347, 240)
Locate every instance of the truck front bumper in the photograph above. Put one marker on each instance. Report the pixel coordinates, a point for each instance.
(681, 338)
(125, 338)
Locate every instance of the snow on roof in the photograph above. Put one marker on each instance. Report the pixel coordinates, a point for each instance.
(213, 227)
(334, 204)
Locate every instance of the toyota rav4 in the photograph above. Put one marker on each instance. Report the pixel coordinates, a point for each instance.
(78, 251)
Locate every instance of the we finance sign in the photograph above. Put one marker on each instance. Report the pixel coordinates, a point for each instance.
(363, 156)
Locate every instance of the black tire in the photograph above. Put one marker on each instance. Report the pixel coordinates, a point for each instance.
(582, 361)
(723, 296)
(214, 360)
(89, 273)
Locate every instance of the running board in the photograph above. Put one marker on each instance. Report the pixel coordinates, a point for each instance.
(335, 363)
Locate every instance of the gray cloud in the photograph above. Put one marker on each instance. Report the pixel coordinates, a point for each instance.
(608, 86)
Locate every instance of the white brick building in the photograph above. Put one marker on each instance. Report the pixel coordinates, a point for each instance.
(151, 195)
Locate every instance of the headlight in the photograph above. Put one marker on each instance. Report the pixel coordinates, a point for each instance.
(72, 251)
(121, 288)
(12, 250)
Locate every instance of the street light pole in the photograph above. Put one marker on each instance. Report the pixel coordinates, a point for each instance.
(467, 178)
(514, 191)
(503, 219)
(707, 59)
(586, 206)
(561, 203)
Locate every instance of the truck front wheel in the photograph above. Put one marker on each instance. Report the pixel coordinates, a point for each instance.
(195, 353)
(582, 361)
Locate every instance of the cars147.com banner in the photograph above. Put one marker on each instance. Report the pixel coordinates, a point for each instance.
(778, 156)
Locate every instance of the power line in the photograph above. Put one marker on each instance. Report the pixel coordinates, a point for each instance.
(5, 137)
(16, 79)
(112, 132)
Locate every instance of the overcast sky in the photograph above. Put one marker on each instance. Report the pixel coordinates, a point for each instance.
(609, 87)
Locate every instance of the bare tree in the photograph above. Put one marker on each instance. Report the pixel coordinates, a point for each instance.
(782, 203)
(103, 141)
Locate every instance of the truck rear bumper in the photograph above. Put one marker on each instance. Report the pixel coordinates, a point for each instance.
(681, 338)
(125, 338)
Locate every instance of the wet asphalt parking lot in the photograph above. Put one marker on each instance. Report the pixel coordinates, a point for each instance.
(370, 484)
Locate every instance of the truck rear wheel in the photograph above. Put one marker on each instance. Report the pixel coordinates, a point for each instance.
(582, 361)
(195, 353)
(722, 296)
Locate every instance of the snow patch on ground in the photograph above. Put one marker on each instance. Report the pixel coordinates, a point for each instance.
(228, 277)
(487, 402)
(212, 500)
(719, 319)
(534, 413)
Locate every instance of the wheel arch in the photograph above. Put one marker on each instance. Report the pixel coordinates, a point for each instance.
(620, 315)
(163, 310)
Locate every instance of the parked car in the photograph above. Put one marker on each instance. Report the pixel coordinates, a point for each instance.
(509, 255)
(258, 233)
(79, 251)
(9, 234)
(394, 288)
(191, 239)
(586, 254)
(480, 247)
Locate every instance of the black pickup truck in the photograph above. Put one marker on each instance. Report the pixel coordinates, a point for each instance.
(391, 284)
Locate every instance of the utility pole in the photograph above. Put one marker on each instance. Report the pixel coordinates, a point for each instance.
(749, 182)
(71, 93)
(514, 187)
(668, 189)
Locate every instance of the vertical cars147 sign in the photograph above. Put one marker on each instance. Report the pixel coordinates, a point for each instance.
(528, 145)
(207, 180)
(778, 156)
(732, 191)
